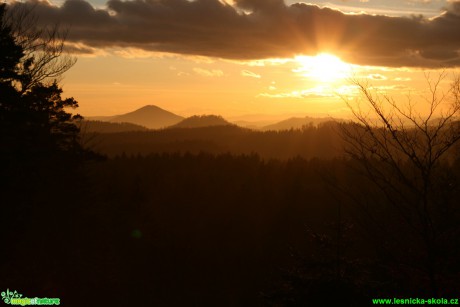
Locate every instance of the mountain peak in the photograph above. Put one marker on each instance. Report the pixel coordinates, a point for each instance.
(149, 107)
(150, 116)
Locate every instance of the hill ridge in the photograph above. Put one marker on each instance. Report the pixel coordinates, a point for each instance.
(197, 121)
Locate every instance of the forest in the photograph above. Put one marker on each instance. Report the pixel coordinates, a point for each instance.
(231, 229)
(309, 142)
(330, 215)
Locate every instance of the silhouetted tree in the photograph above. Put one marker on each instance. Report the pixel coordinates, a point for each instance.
(404, 152)
(40, 155)
(34, 122)
(39, 139)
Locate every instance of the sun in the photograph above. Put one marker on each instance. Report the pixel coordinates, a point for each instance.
(323, 67)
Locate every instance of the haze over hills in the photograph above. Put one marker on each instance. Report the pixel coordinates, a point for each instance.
(153, 117)
(90, 126)
(198, 121)
(149, 116)
(296, 123)
(99, 118)
(255, 125)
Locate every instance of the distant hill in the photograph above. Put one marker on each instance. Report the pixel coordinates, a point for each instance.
(90, 126)
(297, 123)
(100, 118)
(255, 125)
(149, 116)
(198, 121)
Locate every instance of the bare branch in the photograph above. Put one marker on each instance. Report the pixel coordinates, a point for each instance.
(44, 59)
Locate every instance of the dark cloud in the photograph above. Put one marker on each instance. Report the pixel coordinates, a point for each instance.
(440, 54)
(261, 5)
(256, 29)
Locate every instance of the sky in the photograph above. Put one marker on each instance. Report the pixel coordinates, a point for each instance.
(246, 59)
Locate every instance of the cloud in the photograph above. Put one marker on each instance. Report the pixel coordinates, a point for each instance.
(387, 88)
(208, 73)
(247, 73)
(182, 74)
(419, 1)
(318, 92)
(83, 50)
(377, 77)
(315, 92)
(258, 29)
(295, 94)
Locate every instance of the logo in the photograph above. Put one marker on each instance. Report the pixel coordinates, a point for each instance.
(14, 298)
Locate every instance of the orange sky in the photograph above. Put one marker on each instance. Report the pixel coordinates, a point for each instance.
(187, 85)
(242, 57)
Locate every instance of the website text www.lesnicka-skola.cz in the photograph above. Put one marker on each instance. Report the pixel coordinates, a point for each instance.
(415, 301)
